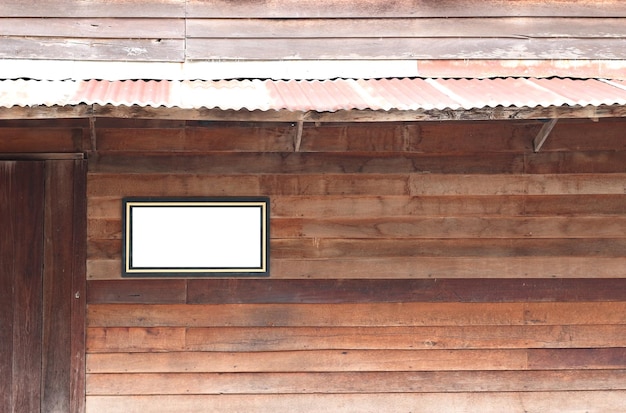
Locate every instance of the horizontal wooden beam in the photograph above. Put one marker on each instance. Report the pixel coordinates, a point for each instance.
(479, 114)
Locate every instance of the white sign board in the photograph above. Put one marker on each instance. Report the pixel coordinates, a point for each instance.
(195, 237)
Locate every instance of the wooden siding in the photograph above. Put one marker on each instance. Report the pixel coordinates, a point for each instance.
(175, 30)
(444, 265)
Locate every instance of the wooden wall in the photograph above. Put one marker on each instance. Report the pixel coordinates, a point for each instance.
(178, 30)
(438, 266)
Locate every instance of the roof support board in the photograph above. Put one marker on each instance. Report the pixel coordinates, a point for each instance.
(483, 114)
(543, 134)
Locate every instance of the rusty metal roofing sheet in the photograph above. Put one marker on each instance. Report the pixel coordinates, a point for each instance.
(319, 95)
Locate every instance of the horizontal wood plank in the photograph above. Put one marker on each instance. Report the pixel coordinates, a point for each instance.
(372, 205)
(248, 339)
(581, 358)
(197, 139)
(153, 339)
(93, 8)
(153, 50)
(238, 291)
(353, 382)
(334, 163)
(514, 402)
(451, 227)
(405, 48)
(133, 28)
(500, 27)
(421, 267)
(443, 290)
(355, 314)
(420, 184)
(136, 291)
(28, 139)
(311, 361)
(358, 360)
(402, 8)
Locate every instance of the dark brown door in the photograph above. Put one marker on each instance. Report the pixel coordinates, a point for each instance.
(42, 286)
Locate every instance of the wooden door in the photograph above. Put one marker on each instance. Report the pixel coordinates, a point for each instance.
(42, 286)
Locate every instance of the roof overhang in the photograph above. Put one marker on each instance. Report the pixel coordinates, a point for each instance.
(339, 100)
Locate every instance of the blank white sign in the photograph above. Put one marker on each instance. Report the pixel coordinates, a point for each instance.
(195, 236)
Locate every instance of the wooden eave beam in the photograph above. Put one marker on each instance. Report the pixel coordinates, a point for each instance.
(483, 114)
(543, 134)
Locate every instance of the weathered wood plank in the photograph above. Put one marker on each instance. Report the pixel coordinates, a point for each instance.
(8, 268)
(399, 247)
(310, 361)
(203, 114)
(451, 227)
(133, 291)
(421, 267)
(475, 137)
(371, 26)
(23, 191)
(372, 205)
(520, 402)
(253, 339)
(127, 28)
(58, 291)
(551, 184)
(355, 314)
(319, 315)
(583, 358)
(405, 48)
(154, 339)
(79, 287)
(220, 291)
(38, 139)
(355, 184)
(247, 185)
(257, 138)
(403, 8)
(97, 8)
(353, 382)
(437, 267)
(152, 50)
(358, 360)
(576, 162)
(268, 163)
(399, 338)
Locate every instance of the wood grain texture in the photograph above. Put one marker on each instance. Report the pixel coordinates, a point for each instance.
(79, 287)
(373, 27)
(108, 208)
(402, 291)
(98, 8)
(153, 50)
(22, 196)
(421, 267)
(355, 314)
(108, 28)
(403, 8)
(57, 285)
(405, 48)
(517, 402)
(247, 339)
(353, 382)
(358, 360)
(312, 361)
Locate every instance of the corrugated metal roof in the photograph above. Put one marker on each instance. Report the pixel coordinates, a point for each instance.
(320, 96)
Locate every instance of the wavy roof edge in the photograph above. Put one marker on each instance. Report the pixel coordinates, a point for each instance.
(403, 94)
(309, 69)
